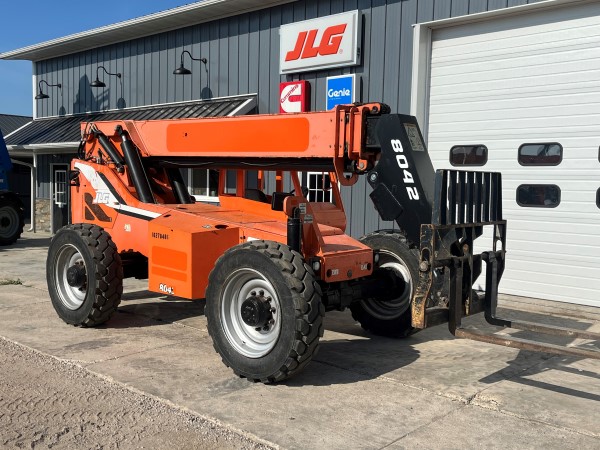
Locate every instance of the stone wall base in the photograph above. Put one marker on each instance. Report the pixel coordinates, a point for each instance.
(42, 215)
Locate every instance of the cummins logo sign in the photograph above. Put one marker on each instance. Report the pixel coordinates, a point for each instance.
(332, 41)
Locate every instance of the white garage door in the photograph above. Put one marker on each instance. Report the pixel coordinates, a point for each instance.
(530, 79)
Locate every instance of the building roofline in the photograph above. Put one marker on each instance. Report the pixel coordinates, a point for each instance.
(183, 16)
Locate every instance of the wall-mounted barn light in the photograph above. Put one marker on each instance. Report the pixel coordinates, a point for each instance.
(97, 83)
(182, 70)
(41, 95)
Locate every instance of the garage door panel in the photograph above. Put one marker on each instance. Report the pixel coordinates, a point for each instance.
(531, 78)
(538, 27)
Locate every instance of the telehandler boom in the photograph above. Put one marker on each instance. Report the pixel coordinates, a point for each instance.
(269, 264)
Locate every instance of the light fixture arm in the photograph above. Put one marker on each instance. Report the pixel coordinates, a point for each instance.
(58, 85)
(204, 60)
(118, 74)
(41, 95)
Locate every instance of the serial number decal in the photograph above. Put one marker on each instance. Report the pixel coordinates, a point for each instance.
(408, 178)
(166, 289)
(163, 236)
(414, 137)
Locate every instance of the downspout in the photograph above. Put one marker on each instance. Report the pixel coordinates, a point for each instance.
(33, 190)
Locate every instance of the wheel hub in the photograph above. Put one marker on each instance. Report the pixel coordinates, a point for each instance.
(76, 276)
(256, 311)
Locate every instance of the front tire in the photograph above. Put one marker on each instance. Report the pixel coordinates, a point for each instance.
(391, 318)
(264, 311)
(84, 275)
(12, 219)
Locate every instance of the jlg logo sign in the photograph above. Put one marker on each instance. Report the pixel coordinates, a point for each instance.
(331, 41)
(305, 45)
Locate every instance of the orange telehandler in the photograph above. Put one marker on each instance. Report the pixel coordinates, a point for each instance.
(270, 264)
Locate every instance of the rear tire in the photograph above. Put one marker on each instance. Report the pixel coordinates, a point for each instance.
(12, 220)
(390, 318)
(84, 275)
(264, 311)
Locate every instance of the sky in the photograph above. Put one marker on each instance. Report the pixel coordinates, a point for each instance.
(27, 22)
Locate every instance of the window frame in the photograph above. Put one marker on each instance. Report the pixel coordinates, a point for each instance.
(469, 165)
(540, 164)
(522, 205)
(202, 198)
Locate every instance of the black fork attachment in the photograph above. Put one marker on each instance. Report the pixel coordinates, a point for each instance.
(464, 204)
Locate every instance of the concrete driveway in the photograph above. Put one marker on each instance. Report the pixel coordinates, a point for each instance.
(363, 392)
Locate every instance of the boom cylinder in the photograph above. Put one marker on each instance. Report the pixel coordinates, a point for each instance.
(134, 162)
(110, 149)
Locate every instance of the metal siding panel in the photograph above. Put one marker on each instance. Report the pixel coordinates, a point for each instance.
(276, 17)
(214, 58)
(244, 48)
(184, 87)
(130, 68)
(496, 4)
(311, 9)
(164, 94)
(195, 82)
(264, 61)
(460, 7)
(350, 5)
(425, 10)
(377, 51)
(442, 9)
(476, 6)
(223, 40)
(234, 56)
(253, 54)
(154, 94)
(409, 18)
(363, 70)
(391, 55)
(206, 92)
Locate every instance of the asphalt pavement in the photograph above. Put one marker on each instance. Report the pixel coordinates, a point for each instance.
(360, 392)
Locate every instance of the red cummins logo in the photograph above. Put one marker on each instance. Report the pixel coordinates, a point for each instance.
(305, 45)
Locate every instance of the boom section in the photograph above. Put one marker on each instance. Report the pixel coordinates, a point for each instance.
(336, 139)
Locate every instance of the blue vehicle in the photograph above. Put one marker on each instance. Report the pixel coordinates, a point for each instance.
(12, 217)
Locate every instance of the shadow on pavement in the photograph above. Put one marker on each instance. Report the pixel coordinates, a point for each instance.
(27, 243)
(159, 308)
(551, 362)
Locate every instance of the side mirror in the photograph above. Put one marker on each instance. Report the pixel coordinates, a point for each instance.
(278, 199)
(74, 177)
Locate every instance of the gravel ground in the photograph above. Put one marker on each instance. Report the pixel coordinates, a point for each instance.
(47, 403)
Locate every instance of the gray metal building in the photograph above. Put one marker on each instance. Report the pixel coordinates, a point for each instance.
(403, 44)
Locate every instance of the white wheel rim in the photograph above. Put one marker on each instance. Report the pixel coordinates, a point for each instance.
(71, 297)
(247, 340)
(394, 308)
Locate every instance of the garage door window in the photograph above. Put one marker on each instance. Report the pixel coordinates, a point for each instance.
(468, 155)
(544, 154)
(538, 195)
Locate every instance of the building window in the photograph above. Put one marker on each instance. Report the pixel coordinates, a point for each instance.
(538, 195)
(598, 198)
(549, 154)
(319, 187)
(468, 155)
(204, 184)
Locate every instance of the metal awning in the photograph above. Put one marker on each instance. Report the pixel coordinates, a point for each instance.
(62, 134)
(10, 122)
